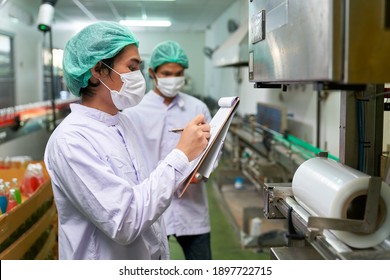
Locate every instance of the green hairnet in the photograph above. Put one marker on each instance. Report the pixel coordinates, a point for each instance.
(92, 44)
(168, 51)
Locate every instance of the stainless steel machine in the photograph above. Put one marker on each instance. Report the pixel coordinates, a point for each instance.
(327, 41)
(334, 45)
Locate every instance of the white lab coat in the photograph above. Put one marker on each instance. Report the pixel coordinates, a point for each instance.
(189, 214)
(107, 207)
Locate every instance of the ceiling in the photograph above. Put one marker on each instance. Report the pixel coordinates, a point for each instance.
(185, 15)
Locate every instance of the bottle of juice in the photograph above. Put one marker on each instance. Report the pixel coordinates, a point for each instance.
(32, 179)
(15, 186)
(38, 177)
(3, 199)
(12, 202)
(7, 187)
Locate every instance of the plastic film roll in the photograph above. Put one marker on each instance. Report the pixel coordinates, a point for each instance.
(326, 188)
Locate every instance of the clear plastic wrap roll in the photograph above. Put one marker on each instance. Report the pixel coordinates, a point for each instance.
(326, 188)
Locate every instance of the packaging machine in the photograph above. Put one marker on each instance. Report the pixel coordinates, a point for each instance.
(357, 230)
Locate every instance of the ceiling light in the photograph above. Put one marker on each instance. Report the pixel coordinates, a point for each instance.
(146, 23)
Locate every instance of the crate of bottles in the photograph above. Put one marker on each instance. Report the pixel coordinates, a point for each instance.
(28, 220)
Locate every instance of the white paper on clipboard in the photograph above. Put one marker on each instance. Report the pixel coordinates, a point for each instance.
(204, 164)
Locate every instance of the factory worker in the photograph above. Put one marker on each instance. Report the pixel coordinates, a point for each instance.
(167, 107)
(109, 204)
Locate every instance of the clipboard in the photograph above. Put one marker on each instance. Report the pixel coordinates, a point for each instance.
(204, 164)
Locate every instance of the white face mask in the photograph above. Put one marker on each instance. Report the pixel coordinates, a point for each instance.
(131, 92)
(170, 87)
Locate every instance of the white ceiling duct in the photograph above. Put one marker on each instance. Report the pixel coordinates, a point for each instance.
(234, 51)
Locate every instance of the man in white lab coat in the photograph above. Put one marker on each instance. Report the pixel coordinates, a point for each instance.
(166, 108)
(109, 203)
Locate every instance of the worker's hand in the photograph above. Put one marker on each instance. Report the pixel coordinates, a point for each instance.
(194, 137)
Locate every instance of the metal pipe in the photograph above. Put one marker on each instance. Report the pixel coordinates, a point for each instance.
(53, 100)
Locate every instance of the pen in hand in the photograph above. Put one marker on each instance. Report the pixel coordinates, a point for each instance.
(176, 130)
